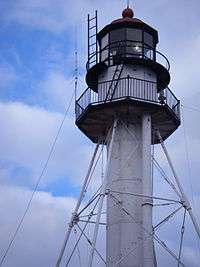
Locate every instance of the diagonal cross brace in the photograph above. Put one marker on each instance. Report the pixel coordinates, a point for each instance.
(184, 199)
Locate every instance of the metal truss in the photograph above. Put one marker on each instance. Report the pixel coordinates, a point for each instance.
(94, 208)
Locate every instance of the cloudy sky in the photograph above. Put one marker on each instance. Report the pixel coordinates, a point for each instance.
(36, 84)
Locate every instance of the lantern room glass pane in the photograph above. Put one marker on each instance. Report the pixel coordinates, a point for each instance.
(117, 35)
(134, 49)
(134, 35)
(117, 43)
(104, 48)
(104, 41)
(104, 55)
(134, 43)
(148, 52)
(148, 39)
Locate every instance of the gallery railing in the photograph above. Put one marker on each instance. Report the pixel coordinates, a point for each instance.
(124, 88)
(119, 50)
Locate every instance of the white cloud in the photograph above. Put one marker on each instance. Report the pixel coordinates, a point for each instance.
(56, 15)
(57, 89)
(26, 137)
(42, 233)
(37, 14)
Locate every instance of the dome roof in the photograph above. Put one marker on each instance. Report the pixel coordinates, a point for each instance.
(127, 12)
(127, 16)
(128, 20)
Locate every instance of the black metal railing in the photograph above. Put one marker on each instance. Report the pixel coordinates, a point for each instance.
(127, 87)
(137, 89)
(115, 51)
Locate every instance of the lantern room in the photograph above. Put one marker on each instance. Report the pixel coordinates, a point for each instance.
(127, 37)
(128, 40)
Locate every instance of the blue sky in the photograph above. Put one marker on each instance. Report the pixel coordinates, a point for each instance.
(36, 83)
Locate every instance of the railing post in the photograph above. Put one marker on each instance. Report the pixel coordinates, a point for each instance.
(75, 109)
(166, 97)
(90, 101)
(178, 109)
(128, 93)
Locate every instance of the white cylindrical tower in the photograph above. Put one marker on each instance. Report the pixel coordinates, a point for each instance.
(128, 85)
(130, 173)
(147, 205)
(125, 176)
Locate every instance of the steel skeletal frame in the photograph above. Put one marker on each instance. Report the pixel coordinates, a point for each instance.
(105, 192)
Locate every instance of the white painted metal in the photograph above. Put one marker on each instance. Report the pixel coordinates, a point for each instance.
(182, 235)
(90, 243)
(140, 242)
(77, 207)
(134, 71)
(142, 195)
(184, 199)
(122, 233)
(102, 196)
(147, 205)
(135, 178)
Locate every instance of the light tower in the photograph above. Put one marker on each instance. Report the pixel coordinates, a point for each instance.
(128, 93)
(127, 107)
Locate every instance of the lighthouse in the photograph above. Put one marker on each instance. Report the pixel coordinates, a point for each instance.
(127, 108)
(127, 102)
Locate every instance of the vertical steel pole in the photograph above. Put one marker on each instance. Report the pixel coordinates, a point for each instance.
(102, 195)
(77, 206)
(128, 3)
(96, 15)
(148, 252)
(88, 41)
(181, 242)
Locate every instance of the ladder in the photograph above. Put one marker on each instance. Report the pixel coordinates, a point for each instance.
(92, 40)
(114, 82)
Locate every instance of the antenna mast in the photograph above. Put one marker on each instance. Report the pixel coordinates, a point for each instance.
(128, 3)
(76, 63)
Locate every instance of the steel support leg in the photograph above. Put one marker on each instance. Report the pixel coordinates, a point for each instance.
(184, 199)
(77, 206)
(102, 195)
